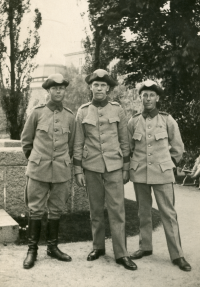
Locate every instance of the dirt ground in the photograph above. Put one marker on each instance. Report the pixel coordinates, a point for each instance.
(153, 271)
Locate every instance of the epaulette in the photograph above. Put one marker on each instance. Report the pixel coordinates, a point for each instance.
(86, 105)
(114, 103)
(135, 115)
(40, 106)
(163, 113)
(68, 110)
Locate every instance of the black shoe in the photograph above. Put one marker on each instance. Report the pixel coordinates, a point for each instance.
(55, 252)
(33, 238)
(127, 263)
(95, 254)
(182, 264)
(52, 241)
(140, 253)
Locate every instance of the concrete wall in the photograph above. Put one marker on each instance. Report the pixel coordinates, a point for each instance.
(13, 181)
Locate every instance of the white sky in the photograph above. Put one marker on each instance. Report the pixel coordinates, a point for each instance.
(62, 27)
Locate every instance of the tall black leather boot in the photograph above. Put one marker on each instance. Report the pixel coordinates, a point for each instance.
(52, 241)
(33, 238)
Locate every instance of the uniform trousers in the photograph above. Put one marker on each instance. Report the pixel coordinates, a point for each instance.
(44, 194)
(164, 194)
(107, 186)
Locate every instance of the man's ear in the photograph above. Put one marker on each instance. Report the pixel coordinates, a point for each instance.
(157, 98)
(108, 88)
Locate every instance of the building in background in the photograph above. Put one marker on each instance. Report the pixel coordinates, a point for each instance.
(76, 57)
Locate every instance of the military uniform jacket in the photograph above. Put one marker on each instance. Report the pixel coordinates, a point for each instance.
(48, 137)
(154, 142)
(101, 139)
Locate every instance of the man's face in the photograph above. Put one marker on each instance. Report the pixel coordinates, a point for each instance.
(99, 90)
(149, 99)
(57, 93)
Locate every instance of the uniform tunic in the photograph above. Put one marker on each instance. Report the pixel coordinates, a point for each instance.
(154, 142)
(101, 141)
(48, 137)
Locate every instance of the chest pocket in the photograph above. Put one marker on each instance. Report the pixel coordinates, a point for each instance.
(65, 130)
(114, 120)
(89, 122)
(137, 136)
(44, 128)
(161, 136)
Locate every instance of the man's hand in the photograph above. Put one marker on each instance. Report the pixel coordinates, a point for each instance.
(125, 176)
(80, 180)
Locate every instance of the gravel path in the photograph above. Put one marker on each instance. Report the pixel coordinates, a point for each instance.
(153, 271)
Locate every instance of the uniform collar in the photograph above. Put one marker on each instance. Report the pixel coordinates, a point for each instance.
(53, 106)
(151, 114)
(100, 103)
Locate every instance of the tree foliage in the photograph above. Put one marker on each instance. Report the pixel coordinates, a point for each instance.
(165, 45)
(16, 61)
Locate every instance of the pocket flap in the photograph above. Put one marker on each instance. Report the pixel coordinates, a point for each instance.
(166, 165)
(113, 120)
(89, 121)
(161, 135)
(137, 136)
(35, 158)
(67, 161)
(43, 128)
(65, 130)
(134, 165)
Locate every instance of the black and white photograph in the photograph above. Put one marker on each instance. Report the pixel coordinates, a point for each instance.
(100, 143)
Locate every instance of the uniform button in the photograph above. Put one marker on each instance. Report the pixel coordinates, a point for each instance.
(149, 127)
(53, 158)
(149, 145)
(56, 140)
(149, 136)
(100, 124)
(54, 149)
(55, 130)
(149, 154)
(56, 121)
(102, 151)
(149, 163)
(149, 119)
(100, 115)
(102, 142)
(56, 112)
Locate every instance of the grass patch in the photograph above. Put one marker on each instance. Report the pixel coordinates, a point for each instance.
(76, 226)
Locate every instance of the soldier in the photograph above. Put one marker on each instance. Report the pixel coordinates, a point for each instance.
(101, 148)
(47, 141)
(156, 148)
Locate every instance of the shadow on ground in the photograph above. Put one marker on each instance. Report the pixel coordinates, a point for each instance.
(76, 226)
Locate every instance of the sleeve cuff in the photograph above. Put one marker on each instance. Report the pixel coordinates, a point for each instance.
(126, 159)
(77, 169)
(126, 166)
(77, 162)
